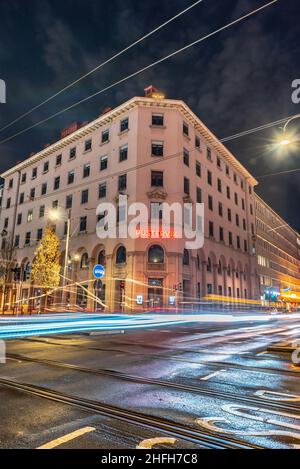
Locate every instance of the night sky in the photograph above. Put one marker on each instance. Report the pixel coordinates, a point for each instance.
(235, 81)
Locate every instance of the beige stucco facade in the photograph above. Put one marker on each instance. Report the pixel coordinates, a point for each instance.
(227, 263)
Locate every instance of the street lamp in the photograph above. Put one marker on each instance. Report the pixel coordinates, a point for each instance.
(55, 215)
(287, 139)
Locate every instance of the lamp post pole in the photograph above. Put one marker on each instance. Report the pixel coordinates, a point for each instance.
(65, 274)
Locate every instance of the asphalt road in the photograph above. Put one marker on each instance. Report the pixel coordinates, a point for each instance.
(212, 385)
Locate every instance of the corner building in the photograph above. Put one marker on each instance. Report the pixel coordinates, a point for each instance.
(151, 149)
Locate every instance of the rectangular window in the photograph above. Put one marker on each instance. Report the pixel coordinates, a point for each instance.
(158, 119)
(221, 234)
(46, 167)
(5, 223)
(220, 209)
(198, 169)
(102, 190)
(218, 162)
(17, 241)
(88, 145)
(229, 214)
(71, 176)
(72, 153)
(8, 202)
(122, 183)
(58, 160)
(157, 148)
(186, 157)
(103, 162)
(244, 224)
(42, 211)
(65, 228)
(210, 202)
(157, 178)
(235, 178)
(243, 204)
(29, 216)
(19, 219)
(219, 185)
(237, 220)
(236, 198)
(228, 192)
(230, 238)
(123, 153)
(208, 154)
(211, 229)
(32, 194)
(27, 238)
(185, 129)
(251, 209)
(44, 188)
(83, 223)
(55, 204)
(21, 198)
(245, 246)
(69, 201)
(238, 242)
(227, 170)
(199, 195)
(85, 196)
(105, 136)
(34, 173)
(56, 183)
(124, 124)
(23, 178)
(39, 234)
(86, 170)
(197, 142)
(209, 178)
(186, 186)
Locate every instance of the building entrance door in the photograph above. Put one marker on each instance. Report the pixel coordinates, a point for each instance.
(155, 293)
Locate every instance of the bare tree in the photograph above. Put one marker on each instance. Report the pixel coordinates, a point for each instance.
(7, 261)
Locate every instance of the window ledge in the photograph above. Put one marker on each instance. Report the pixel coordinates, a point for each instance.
(104, 143)
(122, 132)
(153, 126)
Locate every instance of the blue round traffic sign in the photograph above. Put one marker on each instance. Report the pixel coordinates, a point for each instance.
(98, 271)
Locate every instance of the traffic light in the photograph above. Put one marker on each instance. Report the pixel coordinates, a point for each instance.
(180, 286)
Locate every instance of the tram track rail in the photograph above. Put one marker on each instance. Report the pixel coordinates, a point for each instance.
(203, 438)
(171, 357)
(200, 390)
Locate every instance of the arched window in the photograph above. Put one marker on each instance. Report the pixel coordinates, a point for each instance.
(156, 254)
(228, 270)
(84, 262)
(186, 257)
(101, 257)
(121, 255)
(219, 268)
(208, 267)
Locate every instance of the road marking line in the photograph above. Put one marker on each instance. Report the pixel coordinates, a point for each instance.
(148, 444)
(68, 437)
(206, 378)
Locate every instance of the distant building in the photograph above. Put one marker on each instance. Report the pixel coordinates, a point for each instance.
(278, 255)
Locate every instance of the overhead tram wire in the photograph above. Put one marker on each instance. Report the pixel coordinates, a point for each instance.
(256, 129)
(113, 57)
(128, 77)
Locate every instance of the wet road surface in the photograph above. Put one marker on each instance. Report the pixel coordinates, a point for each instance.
(212, 385)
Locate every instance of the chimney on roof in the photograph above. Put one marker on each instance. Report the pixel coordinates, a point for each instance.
(153, 92)
(106, 110)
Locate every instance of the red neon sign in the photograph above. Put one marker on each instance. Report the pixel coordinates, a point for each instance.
(156, 233)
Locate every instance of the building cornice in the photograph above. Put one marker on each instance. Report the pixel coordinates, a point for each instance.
(125, 107)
